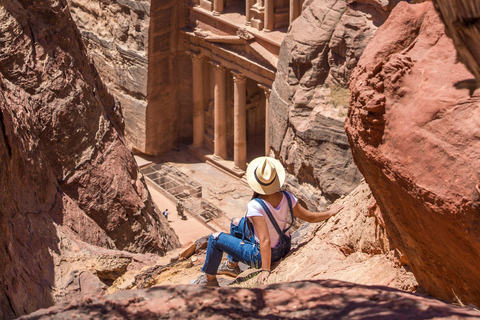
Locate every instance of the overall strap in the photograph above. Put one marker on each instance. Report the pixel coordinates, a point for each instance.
(291, 209)
(269, 214)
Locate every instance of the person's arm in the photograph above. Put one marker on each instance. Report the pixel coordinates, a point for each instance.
(265, 246)
(309, 216)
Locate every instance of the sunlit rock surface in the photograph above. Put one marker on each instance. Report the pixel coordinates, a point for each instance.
(415, 138)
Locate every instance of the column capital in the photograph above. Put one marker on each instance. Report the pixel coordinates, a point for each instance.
(266, 89)
(217, 66)
(196, 56)
(238, 77)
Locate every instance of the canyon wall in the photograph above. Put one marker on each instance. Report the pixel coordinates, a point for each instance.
(64, 163)
(414, 131)
(308, 102)
(133, 45)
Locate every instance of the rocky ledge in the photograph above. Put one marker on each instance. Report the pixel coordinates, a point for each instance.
(321, 299)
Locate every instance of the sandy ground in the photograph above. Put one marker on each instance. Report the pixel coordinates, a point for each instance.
(186, 230)
(228, 193)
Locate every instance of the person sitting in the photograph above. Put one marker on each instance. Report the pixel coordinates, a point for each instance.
(260, 238)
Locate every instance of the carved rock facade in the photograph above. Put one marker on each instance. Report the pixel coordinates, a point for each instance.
(64, 162)
(414, 136)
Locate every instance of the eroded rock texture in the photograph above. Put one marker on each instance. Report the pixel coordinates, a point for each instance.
(131, 44)
(63, 161)
(415, 138)
(306, 118)
(116, 37)
(326, 299)
(351, 246)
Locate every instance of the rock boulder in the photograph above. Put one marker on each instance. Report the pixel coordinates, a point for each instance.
(321, 299)
(415, 138)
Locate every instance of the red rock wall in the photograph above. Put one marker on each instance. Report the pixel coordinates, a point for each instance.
(116, 36)
(63, 160)
(415, 138)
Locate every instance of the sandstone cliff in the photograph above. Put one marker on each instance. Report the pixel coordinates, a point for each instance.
(415, 137)
(132, 44)
(308, 101)
(64, 164)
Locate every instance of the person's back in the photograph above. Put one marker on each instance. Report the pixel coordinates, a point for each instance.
(277, 203)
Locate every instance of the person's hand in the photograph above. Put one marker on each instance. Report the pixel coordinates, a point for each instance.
(335, 209)
(262, 277)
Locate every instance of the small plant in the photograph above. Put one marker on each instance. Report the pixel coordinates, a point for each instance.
(339, 96)
(456, 300)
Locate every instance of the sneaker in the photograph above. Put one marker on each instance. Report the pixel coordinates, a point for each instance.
(226, 270)
(202, 280)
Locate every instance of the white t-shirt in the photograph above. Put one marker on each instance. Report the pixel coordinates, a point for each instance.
(280, 213)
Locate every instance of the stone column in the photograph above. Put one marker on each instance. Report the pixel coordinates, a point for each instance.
(269, 23)
(294, 10)
(220, 112)
(217, 7)
(240, 121)
(267, 91)
(248, 5)
(198, 100)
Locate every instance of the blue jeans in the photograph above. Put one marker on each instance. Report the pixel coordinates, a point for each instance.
(238, 246)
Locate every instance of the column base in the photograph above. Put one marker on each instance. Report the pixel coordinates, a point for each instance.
(238, 169)
(217, 158)
(266, 30)
(215, 13)
(225, 165)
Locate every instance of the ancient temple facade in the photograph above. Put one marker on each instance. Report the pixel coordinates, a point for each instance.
(234, 47)
(198, 72)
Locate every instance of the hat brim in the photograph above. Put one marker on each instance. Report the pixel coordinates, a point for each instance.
(257, 187)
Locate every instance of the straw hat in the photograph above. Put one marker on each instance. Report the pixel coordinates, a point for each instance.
(265, 175)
